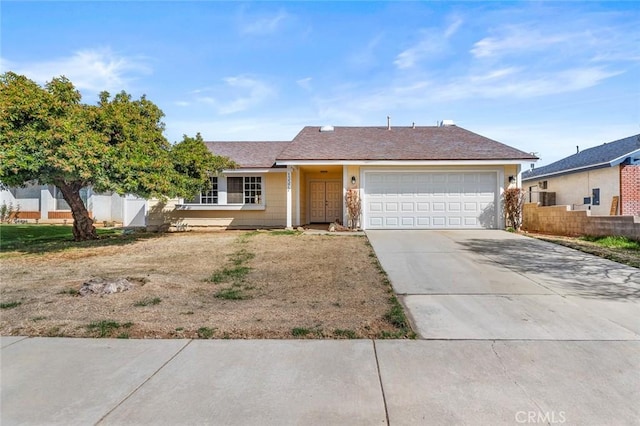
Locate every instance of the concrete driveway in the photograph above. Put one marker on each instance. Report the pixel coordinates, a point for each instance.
(515, 330)
(497, 285)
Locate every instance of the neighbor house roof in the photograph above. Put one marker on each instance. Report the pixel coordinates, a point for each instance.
(606, 155)
(249, 155)
(397, 143)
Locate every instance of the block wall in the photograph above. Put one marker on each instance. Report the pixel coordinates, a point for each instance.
(561, 220)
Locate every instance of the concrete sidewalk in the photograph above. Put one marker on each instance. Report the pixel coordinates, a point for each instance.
(267, 382)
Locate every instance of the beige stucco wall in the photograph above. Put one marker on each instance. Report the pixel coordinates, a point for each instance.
(273, 216)
(571, 189)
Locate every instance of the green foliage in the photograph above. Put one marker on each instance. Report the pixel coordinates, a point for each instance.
(105, 328)
(9, 305)
(232, 293)
(48, 135)
(8, 212)
(47, 238)
(236, 274)
(205, 332)
(148, 301)
(285, 232)
(300, 331)
(618, 242)
(396, 315)
(69, 291)
(349, 334)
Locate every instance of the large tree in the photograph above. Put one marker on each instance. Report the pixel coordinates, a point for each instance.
(48, 135)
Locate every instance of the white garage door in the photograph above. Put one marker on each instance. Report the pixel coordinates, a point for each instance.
(430, 200)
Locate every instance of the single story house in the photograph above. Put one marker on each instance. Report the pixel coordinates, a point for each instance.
(604, 179)
(436, 177)
(44, 204)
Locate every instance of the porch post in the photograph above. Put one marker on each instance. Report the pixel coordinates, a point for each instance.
(298, 223)
(289, 199)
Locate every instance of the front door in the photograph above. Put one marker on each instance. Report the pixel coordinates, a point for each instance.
(326, 201)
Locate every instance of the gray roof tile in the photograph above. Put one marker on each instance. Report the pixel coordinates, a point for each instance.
(397, 143)
(249, 154)
(599, 156)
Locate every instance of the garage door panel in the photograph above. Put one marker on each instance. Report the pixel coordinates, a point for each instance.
(470, 207)
(454, 207)
(391, 207)
(375, 222)
(375, 207)
(470, 221)
(423, 221)
(454, 221)
(407, 207)
(439, 221)
(423, 200)
(438, 207)
(408, 221)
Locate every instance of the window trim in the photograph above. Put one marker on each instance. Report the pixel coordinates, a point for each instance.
(215, 192)
(223, 193)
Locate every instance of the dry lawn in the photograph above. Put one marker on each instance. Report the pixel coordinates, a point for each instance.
(203, 285)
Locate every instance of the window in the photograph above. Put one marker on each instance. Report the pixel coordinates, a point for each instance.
(244, 190)
(210, 195)
(252, 190)
(234, 190)
(595, 196)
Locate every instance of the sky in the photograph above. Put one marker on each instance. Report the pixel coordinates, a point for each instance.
(543, 77)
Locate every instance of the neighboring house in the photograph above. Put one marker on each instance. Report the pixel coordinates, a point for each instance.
(442, 177)
(604, 179)
(45, 204)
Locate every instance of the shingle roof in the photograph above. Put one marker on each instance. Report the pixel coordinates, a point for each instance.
(249, 154)
(397, 143)
(599, 156)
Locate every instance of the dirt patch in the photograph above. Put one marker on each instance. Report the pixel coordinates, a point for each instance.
(626, 257)
(204, 285)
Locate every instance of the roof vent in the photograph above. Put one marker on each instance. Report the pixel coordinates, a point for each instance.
(445, 123)
(326, 129)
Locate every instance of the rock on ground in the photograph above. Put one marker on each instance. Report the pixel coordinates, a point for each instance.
(105, 286)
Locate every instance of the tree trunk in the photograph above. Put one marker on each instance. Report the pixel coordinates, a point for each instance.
(83, 228)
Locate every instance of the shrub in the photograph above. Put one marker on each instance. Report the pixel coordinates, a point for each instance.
(513, 200)
(352, 200)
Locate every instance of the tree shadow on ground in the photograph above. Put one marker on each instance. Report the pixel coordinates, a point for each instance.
(60, 244)
(560, 268)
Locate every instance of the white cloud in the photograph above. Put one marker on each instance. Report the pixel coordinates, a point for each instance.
(90, 69)
(520, 40)
(305, 83)
(367, 56)
(453, 27)
(264, 25)
(431, 42)
(238, 93)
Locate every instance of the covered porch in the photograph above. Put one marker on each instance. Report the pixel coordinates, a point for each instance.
(315, 193)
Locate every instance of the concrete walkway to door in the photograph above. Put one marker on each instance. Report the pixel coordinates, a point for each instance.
(563, 325)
